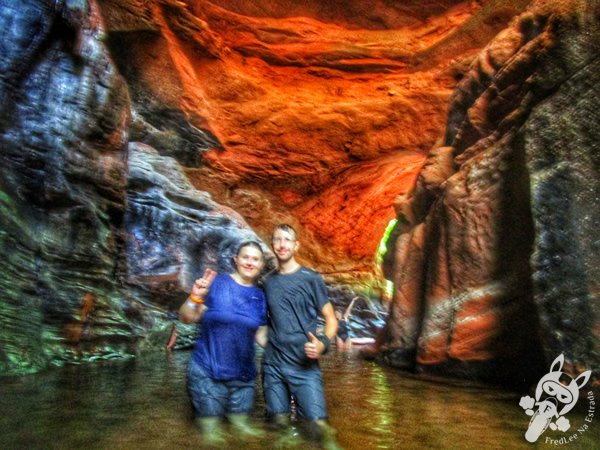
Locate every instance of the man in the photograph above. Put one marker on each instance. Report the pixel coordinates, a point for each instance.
(296, 296)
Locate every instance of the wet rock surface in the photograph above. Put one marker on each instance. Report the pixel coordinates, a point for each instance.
(175, 231)
(100, 241)
(141, 141)
(63, 131)
(496, 258)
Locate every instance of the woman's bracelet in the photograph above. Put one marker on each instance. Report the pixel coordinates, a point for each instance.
(194, 301)
(197, 300)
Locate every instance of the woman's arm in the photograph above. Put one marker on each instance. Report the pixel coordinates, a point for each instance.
(190, 312)
(346, 314)
(192, 309)
(261, 336)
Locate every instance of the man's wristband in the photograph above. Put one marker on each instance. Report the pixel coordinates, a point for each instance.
(325, 340)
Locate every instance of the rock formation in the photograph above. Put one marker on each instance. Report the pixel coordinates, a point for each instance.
(63, 130)
(80, 225)
(174, 231)
(142, 140)
(317, 114)
(496, 251)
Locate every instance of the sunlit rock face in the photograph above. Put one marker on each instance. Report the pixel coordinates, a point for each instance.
(314, 113)
(496, 259)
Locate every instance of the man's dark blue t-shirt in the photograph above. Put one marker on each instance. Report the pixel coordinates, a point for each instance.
(225, 346)
(295, 301)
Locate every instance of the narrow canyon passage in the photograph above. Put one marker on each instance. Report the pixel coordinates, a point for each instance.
(440, 160)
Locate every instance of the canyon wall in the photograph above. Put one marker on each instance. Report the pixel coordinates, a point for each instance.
(101, 237)
(142, 140)
(495, 256)
(317, 114)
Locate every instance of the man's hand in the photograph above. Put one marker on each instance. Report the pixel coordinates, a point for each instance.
(314, 347)
(201, 285)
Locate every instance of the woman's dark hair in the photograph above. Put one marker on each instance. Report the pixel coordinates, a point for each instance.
(254, 244)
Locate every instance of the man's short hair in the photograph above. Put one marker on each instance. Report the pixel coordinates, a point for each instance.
(285, 227)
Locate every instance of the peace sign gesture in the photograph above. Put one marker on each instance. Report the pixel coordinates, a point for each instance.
(201, 285)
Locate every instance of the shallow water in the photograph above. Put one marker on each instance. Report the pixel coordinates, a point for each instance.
(142, 404)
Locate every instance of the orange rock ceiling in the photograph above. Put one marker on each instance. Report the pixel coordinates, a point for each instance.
(324, 111)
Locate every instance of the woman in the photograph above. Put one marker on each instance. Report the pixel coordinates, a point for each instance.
(232, 315)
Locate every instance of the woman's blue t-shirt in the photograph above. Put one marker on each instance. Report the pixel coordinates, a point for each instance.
(225, 345)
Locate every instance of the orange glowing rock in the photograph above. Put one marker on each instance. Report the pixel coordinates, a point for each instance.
(323, 113)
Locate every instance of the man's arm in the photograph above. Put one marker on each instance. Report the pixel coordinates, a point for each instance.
(315, 347)
(331, 323)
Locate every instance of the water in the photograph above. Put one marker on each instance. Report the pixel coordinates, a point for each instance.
(142, 404)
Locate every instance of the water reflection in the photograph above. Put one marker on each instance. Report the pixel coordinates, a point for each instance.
(142, 404)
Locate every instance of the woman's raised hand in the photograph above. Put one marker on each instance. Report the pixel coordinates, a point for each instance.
(201, 285)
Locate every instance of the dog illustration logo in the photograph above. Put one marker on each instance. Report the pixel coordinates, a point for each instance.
(555, 395)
